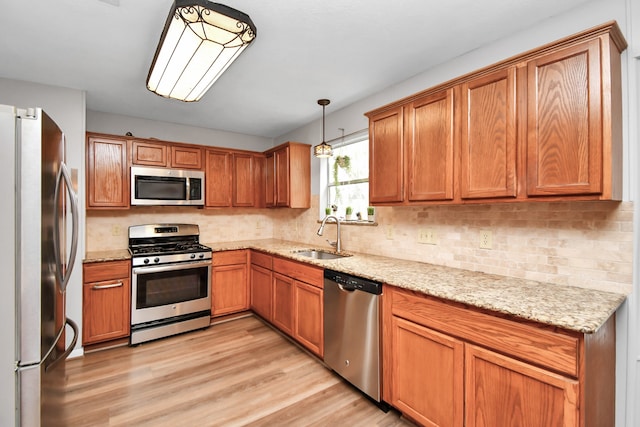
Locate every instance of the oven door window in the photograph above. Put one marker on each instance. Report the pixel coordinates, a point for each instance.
(170, 287)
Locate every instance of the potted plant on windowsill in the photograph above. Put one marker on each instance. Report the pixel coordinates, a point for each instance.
(371, 214)
(348, 213)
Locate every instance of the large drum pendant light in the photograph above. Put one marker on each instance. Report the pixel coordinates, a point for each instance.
(323, 150)
(199, 41)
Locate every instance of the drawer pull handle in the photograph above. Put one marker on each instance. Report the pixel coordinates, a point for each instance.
(113, 285)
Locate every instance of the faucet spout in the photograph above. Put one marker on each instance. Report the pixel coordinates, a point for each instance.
(321, 230)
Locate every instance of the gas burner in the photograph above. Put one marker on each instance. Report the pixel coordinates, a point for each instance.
(155, 244)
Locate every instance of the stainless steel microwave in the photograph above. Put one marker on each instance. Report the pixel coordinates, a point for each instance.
(161, 187)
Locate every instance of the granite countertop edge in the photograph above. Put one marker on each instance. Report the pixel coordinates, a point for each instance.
(569, 307)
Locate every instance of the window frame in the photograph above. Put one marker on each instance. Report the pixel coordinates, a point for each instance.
(326, 178)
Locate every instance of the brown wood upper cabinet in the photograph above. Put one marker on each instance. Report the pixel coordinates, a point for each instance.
(386, 159)
(573, 111)
(145, 153)
(248, 184)
(183, 157)
(107, 172)
(430, 147)
(288, 176)
(488, 136)
(165, 154)
(218, 178)
(543, 125)
(233, 179)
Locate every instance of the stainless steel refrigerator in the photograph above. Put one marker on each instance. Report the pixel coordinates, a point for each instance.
(44, 239)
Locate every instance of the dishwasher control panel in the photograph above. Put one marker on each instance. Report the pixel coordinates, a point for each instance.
(353, 283)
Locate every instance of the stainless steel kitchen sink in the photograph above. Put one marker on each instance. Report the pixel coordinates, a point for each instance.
(320, 254)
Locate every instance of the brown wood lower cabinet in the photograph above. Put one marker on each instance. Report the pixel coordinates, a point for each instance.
(501, 391)
(308, 327)
(106, 305)
(445, 364)
(261, 282)
(289, 295)
(283, 303)
(229, 285)
(427, 374)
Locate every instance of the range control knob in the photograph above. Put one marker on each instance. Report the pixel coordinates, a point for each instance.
(193, 256)
(146, 261)
(201, 256)
(156, 260)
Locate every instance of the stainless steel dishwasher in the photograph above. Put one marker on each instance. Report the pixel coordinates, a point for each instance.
(352, 330)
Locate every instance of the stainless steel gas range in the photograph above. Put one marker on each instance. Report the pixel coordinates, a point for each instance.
(170, 286)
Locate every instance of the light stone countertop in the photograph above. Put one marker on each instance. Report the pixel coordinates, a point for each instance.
(569, 307)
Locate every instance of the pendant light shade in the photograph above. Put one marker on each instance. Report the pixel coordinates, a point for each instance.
(323, 150)
(199, 41)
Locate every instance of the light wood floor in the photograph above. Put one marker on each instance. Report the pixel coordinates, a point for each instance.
(232, 374)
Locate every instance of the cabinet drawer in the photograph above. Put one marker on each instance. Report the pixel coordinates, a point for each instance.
(539, 345)
(230, 257)
(302, 272)
(109, 270)
(262, 259)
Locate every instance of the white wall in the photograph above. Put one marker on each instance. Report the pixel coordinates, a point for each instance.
(116, 124)
(67, 108)
(627, 14)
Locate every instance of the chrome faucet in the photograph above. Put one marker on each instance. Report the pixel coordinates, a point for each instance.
(335, 244)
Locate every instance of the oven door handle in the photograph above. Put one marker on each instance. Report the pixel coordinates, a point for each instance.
(170, 267)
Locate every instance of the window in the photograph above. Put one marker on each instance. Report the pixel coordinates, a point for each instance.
(348, 175)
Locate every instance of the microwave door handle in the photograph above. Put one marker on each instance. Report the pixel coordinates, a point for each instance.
(188, 189)
(63, 174)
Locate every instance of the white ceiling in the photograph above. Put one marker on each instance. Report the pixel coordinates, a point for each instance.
(344, 50)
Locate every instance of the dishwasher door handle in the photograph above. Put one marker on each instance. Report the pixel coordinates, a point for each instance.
(342, 288)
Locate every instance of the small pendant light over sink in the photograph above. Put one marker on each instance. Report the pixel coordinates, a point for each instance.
(198, 43)
(323, 150)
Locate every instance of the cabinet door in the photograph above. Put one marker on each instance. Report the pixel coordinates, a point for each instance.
(386, 157)
(243, 180)
(283, 302)
(282, 177)
(106, 310)
(270, 180)
(427, 374)
(229, 293)
(149, 154)
(488, 140)
(430, 147)
(107, 173)
(218, 178)
(564, 135)
(186, 157)
(500, 391)
(308, 315)
(261, 290)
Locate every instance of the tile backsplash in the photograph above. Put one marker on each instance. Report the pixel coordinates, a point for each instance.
(585, 244)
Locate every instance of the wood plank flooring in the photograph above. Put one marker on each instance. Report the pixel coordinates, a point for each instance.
(238, 373)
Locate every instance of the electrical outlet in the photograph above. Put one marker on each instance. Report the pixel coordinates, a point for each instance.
(427, 236)
(116, 230)
(388, 231)
(486, 239)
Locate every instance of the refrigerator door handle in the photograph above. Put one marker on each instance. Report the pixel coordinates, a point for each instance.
(69, 349)
(64, 174)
